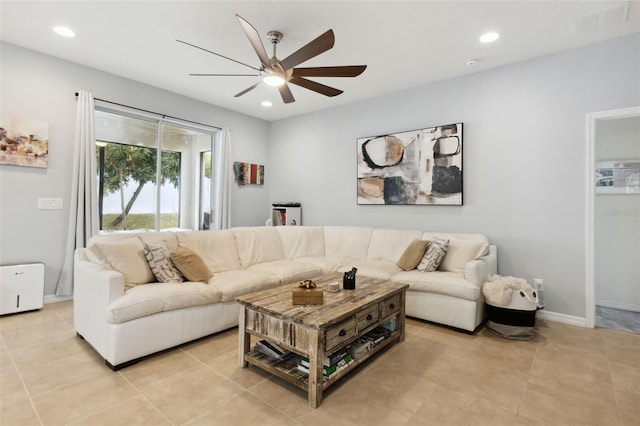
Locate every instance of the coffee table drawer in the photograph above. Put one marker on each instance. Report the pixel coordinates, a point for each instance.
(368, 316)
(340, 332)
(390, 305)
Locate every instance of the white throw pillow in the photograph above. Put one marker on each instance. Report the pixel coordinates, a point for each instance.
(127, 257)
(433, 256)
(460, 252)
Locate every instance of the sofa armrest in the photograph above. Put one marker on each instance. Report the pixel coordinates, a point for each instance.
(477, 271)
(95, 287)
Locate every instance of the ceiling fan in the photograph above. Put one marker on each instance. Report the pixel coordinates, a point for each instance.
(279, 73)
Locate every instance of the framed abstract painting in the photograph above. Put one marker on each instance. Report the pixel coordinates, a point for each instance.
(24, 142)
(418, 167)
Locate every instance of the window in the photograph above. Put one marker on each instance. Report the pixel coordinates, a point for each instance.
(139, 190)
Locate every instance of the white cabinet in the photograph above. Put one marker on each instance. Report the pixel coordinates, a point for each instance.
(21, 287)
(286, 214)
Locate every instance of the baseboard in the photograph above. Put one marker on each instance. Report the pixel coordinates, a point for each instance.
(52, 298)
(618, 305)
(563, 318)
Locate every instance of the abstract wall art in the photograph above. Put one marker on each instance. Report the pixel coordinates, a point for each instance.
(248, 174)
(421, 167)
(24, 142)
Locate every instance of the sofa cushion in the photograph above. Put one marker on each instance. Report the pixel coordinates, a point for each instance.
(158, 257)
(347, 241)
(217, 248)
(463, 248)
(127, 257)
(413, 255)
(287, 270)
(258, 245)
(448, 283)
(326, 264)
(232, 284)
(155, 237)
(301, 241)
(143, 300)
(436, 250)
(389, 244)
(371, 268)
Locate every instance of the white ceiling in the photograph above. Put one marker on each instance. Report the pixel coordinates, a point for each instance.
(404, 43)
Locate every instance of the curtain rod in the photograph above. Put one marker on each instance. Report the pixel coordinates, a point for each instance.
(153, 112)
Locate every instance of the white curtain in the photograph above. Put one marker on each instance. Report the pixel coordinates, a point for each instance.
(222, 201)
(83, 207)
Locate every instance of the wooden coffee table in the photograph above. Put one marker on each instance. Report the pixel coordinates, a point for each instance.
(314, 331)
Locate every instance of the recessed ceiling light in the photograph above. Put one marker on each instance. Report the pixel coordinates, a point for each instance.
(489, 37)
(267, 103)
(64, 32)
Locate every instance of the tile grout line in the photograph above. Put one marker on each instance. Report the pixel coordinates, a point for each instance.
(24, 385)
(613, 388)
(239, 385)
(146, 399)
(526, 386)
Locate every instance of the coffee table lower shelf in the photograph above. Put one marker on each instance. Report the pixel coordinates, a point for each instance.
(288, 369)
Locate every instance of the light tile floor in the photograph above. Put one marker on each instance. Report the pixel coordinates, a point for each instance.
(566, 376)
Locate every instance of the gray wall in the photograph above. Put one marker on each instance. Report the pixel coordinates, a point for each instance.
(524, 159)
(617, 221)
(41, 87)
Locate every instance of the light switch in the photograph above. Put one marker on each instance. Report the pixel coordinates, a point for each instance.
(50, 203)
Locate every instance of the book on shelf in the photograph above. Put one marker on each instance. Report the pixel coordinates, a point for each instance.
(331, 359)
(330, 371)
(271, 349)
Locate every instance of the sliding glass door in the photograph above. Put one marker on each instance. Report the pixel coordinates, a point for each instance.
(141, 190)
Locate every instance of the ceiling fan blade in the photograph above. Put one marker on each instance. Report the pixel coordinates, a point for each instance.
(247, 90)
(286, 94)
(315, 47)
(217, 54)
(346, 71)
(316, 87)
(254, 39)
(225, 75)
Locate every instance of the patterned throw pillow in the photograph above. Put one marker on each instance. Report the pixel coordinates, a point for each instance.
(434, 255)
(159, 259)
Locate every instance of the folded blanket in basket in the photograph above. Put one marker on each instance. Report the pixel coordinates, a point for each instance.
(498, 289)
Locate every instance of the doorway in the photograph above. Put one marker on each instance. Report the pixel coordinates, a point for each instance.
(613, 219)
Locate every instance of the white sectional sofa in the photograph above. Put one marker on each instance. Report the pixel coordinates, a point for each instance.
(124, 323)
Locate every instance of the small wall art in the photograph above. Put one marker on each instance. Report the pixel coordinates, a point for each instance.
(421, 167)
(618, 177)
(248, 174)
(24, 142)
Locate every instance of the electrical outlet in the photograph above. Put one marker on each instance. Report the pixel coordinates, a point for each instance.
(539, 284)
(50, 203)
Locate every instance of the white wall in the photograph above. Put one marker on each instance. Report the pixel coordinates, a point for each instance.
(41, 87)
(617, 221)
(524, 158)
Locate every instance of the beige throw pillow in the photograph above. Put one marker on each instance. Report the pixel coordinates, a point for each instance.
(190, 264)
(412, 255)
(434, 255)
(127, 257)
(159, 258)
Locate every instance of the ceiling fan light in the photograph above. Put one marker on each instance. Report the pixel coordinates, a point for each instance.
(273, 80)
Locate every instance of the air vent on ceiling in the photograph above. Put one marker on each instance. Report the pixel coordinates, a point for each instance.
(602, 20)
